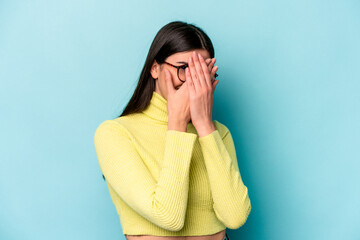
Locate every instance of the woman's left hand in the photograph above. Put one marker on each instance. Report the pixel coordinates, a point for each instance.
(201, 91)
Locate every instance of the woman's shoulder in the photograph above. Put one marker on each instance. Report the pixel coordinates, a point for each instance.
(122, 124)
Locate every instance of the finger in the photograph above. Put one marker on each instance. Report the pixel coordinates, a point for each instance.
(210, 66)
(213, 71)
(194, 77)
(206, 72)
(169, 83)
(189, 82)
(199, 71)
(213, 60)
(214, 84)
(208, 62)
(184, 89)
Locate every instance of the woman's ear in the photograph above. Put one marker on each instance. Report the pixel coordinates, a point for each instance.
(155, 70)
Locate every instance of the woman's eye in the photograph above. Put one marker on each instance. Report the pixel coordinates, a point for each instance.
(184, 66)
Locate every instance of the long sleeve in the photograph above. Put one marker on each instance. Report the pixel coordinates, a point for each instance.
(231, 200)
(162, 202)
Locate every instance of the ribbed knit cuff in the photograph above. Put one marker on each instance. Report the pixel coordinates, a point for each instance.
(179, 146)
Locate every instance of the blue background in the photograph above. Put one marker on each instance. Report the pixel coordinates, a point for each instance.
(288, 91)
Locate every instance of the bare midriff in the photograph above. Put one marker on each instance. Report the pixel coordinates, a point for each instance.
(216, 236)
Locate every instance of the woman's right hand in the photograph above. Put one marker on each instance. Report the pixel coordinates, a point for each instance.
(178, 105)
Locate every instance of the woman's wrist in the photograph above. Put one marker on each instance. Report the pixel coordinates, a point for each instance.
(177, 124)
(205, 129)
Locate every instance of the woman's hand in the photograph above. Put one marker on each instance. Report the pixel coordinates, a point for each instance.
(201, 86)
(177, 104)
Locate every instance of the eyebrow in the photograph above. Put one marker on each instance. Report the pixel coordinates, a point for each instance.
(182, 62)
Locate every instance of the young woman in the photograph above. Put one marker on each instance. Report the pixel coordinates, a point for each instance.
(171, 169)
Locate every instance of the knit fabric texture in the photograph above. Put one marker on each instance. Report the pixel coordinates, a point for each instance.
(167, 182)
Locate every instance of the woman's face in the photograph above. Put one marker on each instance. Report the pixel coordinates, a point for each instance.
(177, 59)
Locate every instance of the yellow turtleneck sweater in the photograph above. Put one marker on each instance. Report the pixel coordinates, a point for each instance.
(167, 182)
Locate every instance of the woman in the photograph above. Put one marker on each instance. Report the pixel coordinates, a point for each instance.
(171, 170)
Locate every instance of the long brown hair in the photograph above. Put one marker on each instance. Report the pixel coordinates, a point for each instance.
(174, 37)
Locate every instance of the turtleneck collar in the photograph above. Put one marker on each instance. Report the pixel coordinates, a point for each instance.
(157, 109)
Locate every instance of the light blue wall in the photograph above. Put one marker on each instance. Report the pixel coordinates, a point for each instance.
(288, 91)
